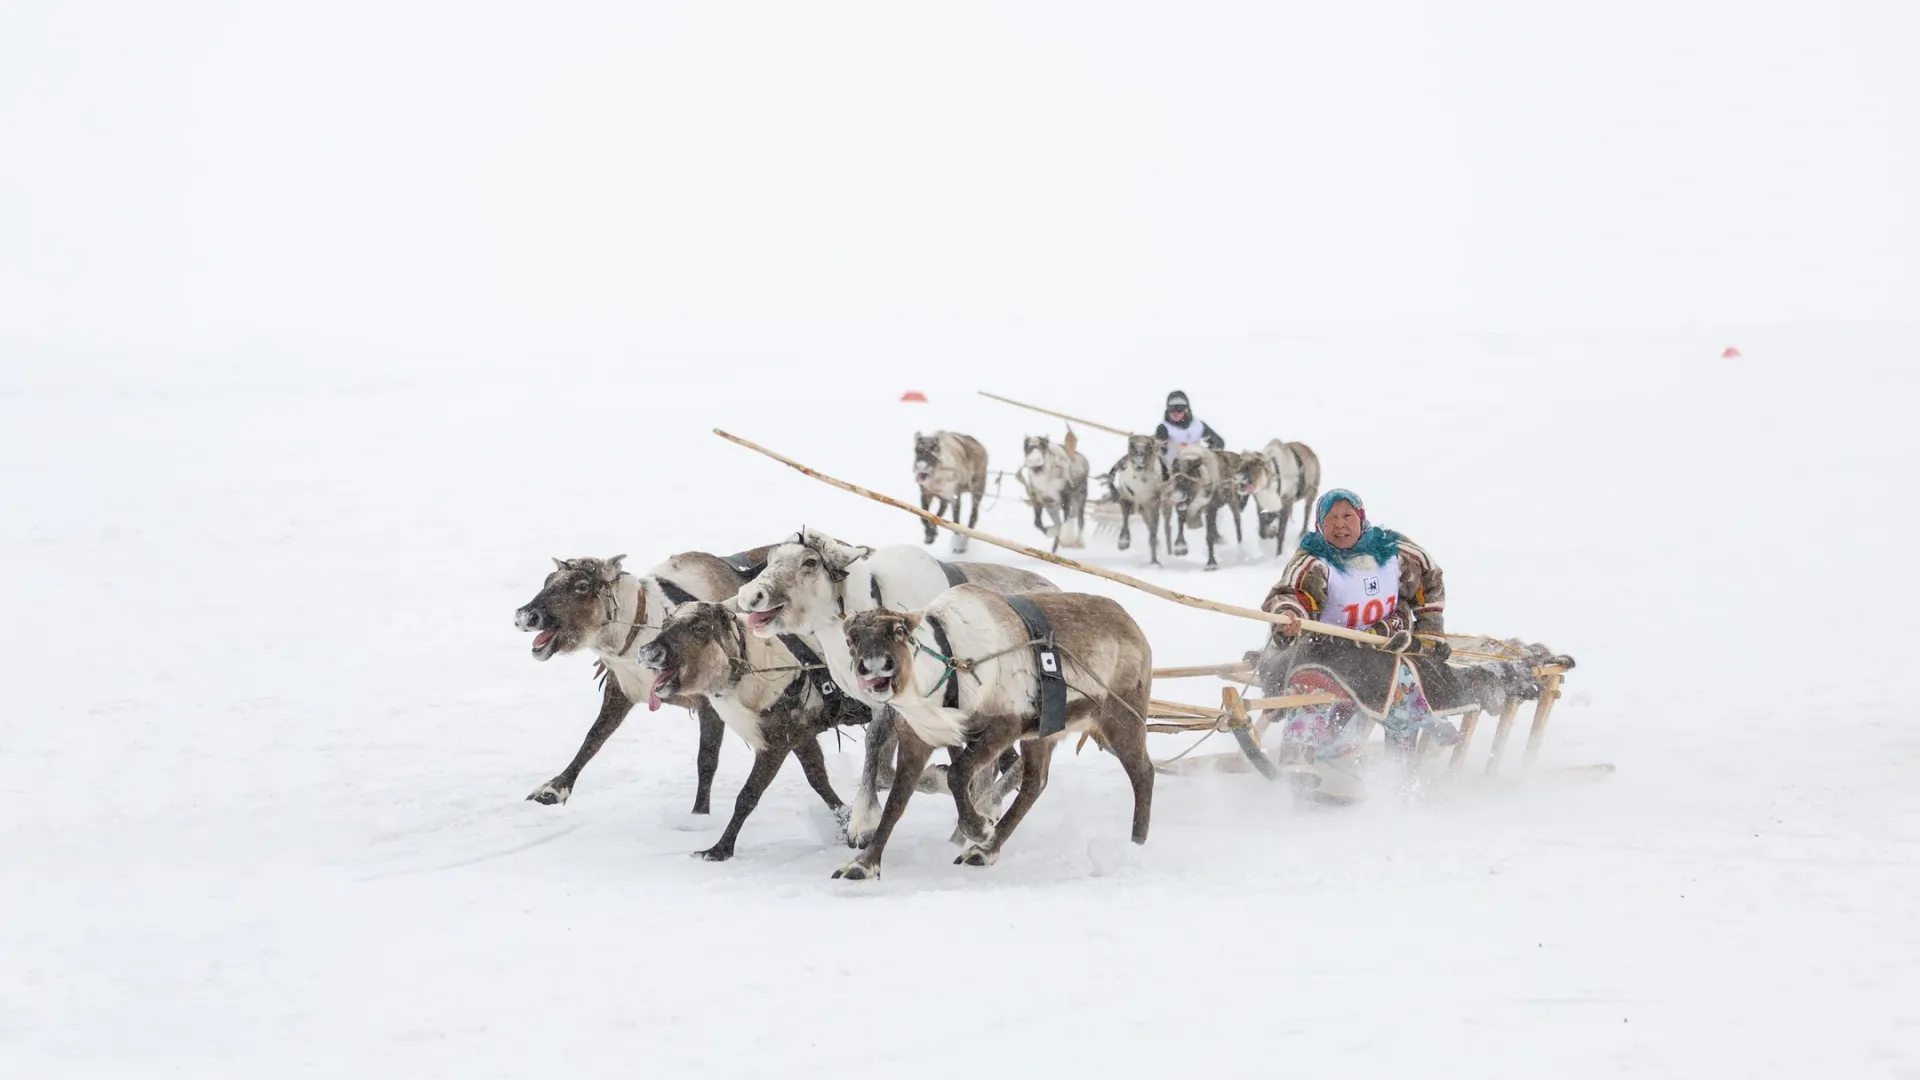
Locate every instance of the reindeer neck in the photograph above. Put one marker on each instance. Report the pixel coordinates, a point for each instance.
(621, 633)
(770, 668)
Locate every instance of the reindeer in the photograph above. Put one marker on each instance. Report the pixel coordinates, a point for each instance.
(813, 581)
(1141, 481)
(1056, 480)
(1276, 477)
(595, 604)
(948, 466)
(1203, 485)
(765, 691)
(971, 639)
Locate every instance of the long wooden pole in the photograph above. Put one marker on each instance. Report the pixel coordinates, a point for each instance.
(1058, 415)
(1254, 614)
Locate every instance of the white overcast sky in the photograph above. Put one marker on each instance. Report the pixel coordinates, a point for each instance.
(198, 172)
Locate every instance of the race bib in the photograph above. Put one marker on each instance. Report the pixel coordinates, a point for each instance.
(1359, 597)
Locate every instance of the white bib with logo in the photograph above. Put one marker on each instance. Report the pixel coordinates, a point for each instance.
(1363, 593)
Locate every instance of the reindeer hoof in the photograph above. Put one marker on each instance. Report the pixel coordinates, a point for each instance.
(853, 871)
(1180, 549)
(714, 854)
(976, 856)
(1213, 566)
(1125, 543)
(548, 794)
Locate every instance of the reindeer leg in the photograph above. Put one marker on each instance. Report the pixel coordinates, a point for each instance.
(614, 708)
(913, 760)
(926, 504)
(1237, 505)
(1150, 517)
(1036, 756)
(880, 743)
(1177, 545)
(984, 746)
(1213, 535)
(1280, 532)
(959, 544)
(713, 732)
(813, 765)
(766, 765)
(1126, 515)
(1126, 738)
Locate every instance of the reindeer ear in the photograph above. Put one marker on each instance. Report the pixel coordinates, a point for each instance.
(838, 555)
(611, 571)
(560, 564)
(615, 562)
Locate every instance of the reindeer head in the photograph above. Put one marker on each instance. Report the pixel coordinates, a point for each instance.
(571, 607)
(1255, 472)
(1142, 449)
(1035, 449)
(881, 642)
(1189, 480)
(926, 456)
(700, 650)
(795, 593)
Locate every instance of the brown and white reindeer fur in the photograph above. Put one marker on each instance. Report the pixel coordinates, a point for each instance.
(1056, 482)
(1204, 484)
(948, 465)
(760, 690)
(1276, 477)
(898, 660)
(595, 605)
(1141, 482)
(812, 582)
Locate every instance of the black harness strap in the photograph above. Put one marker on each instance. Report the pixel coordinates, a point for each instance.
(1053, 680)
(815, 671)
(955, 575)
(748, 568)
(674, 593)
(952, 698)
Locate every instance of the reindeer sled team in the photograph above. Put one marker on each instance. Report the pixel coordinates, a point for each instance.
(993, 664)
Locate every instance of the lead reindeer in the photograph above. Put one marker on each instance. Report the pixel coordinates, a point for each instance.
(596, 605)
(949, 466)
(1277, 476)
(962, 673)
(774, 694)
(813, 581)
(1056, 481)
(1141, 483)
(1203, 485)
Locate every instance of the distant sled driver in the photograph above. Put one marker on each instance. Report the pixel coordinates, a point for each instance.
(1179, 427)
(1355, 574)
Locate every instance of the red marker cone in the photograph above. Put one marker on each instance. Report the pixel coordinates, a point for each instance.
(913, 395)
(1731, 354)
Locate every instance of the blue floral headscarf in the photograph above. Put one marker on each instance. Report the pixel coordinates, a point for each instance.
(1375, 542)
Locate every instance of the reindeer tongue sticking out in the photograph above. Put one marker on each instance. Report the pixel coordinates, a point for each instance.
(653, 692)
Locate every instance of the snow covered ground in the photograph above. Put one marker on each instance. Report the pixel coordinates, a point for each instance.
(270, 727)
(323, 326)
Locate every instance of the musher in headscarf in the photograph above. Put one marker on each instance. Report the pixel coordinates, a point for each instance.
(1179, 427)
(1355, 574)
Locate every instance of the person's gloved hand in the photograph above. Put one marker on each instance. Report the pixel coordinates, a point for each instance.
(1398, 641)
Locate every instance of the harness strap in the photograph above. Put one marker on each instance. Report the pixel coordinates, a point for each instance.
(955, 575)
(873, 588)
(748, 568)
(1053, 681)
(952, 698)
(674, 593)
(814, 668)
(639, 616)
